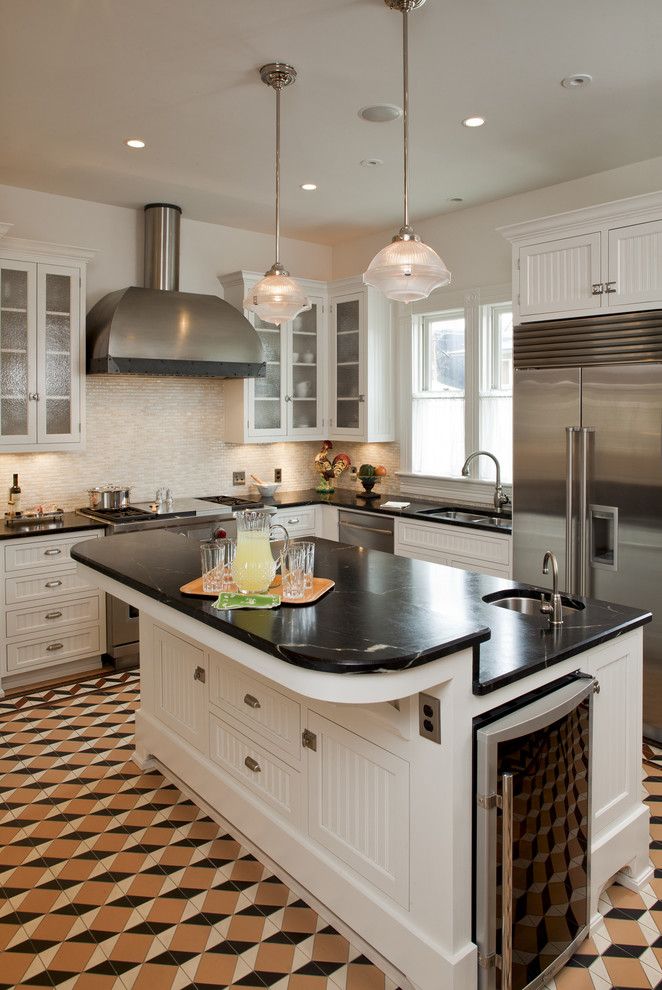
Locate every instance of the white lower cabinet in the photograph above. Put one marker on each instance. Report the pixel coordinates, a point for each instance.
(180, 693)
(299, 521)
(51, 615)
(455, 546)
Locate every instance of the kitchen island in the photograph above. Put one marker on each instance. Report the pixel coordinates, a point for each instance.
(300, 727)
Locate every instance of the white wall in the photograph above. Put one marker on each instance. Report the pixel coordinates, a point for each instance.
(467, 239)
(207, 250)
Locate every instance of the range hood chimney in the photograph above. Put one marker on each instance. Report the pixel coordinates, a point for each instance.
(158, 330)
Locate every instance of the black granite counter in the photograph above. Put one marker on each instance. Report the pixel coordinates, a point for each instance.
(344, 498)
(69, 523)
(385, 613)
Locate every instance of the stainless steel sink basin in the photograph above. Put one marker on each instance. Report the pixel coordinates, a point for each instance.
(468, 517)
(528, 602)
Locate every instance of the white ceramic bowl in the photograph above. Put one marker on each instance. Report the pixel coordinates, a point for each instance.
(268, 490)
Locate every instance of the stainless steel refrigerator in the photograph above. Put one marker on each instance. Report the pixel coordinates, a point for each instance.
(588, 466)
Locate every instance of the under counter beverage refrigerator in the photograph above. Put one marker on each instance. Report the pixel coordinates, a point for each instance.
(587, 466)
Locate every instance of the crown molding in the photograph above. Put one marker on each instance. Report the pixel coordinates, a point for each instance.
(23, 249)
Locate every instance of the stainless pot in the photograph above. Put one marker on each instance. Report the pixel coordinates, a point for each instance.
(108, 497)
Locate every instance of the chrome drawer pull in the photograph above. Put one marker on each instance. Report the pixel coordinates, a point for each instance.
(597, 289)
(610, 287)
(53, 615)
(52, 584)
(251, 701)
(55, 646)
(53, 552)
(293, 522)
(252, 764)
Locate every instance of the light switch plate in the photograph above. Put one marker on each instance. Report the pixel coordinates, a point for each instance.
(238, 477)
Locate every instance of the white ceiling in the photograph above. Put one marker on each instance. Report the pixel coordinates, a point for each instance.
(79, 76)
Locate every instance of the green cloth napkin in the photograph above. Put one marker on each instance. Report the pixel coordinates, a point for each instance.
(232, 599)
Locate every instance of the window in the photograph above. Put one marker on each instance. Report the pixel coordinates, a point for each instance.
(462, 395)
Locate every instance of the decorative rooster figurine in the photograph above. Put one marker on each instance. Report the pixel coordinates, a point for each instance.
(329, 469)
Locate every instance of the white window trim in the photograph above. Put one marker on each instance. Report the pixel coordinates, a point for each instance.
(457, 488)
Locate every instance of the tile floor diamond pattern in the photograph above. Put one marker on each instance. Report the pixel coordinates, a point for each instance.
(111, 878)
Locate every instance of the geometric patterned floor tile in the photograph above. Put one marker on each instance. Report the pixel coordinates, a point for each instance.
(113, 879)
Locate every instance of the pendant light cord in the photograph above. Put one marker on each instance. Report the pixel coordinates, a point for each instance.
(277, 87)
(405, 111)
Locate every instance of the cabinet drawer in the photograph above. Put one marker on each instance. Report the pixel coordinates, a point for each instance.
(40, 619)
(252, 703)
(53, 649)
(42, 587)
(32, 554)
(264, 774)
(452, 542)
(299, 521)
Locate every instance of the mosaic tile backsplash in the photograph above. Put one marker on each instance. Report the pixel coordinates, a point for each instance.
(147, 432)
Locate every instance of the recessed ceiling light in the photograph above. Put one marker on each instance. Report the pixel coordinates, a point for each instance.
(309, 186)
(371, 162)
(473, 121)
(578, 81)
(380, 114)
(134, 143)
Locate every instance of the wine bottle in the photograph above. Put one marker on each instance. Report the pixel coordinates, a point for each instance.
(15, 498)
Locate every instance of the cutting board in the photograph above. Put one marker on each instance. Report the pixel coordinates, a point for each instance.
(320, 587)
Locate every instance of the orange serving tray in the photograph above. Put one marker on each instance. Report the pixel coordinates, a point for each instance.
(319, 588)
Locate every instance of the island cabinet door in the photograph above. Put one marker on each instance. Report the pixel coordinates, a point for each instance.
(358, 808)
(180, 691)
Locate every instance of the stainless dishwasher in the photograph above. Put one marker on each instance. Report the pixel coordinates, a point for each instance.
(364, 529)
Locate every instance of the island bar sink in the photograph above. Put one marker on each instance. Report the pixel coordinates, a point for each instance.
(469, 517)
(528, 602)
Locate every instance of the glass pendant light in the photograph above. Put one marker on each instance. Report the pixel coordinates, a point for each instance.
(406, 269)
(277, 298)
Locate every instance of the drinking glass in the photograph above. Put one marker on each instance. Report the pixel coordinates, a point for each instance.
(309, 562)
(292, 569)
(217, 559)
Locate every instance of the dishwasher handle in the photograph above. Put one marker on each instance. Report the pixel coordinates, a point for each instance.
(367, 529)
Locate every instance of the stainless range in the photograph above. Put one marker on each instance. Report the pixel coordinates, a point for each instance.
(200, 521)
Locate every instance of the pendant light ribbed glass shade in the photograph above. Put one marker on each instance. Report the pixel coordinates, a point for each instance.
(276, 298)
(407, 270)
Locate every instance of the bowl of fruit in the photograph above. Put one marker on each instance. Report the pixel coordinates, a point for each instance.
(369, 475)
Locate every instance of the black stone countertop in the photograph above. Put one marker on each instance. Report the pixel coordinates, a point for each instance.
(344, 498)
(385, 613)
(70, 523)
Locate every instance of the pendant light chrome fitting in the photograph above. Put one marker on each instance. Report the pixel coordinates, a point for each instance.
(406, 269)
(277, 297)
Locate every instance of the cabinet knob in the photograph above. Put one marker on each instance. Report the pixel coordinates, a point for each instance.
(251, 701)
(252, 764)
(597, 288)
(611, 287)
(52, 647)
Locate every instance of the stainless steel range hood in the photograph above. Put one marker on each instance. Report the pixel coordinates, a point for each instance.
(157, 330)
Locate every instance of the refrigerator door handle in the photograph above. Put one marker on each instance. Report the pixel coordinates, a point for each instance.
(569, 508)
(584, 434)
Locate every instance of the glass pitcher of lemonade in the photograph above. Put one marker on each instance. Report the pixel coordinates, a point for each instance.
(254, 566)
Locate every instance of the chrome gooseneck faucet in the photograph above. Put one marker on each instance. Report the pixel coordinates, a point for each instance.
(554, 607)
(500, 497)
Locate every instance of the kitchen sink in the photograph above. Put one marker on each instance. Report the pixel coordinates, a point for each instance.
(528, 602)
(469, 517)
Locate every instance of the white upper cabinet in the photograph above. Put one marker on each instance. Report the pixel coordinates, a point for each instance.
(361, 401)
(329, 371)
(288, 403)
(42, 346)
(606, 257)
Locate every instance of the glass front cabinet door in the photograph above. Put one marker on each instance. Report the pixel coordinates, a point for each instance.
(348, 402)
(41, 370)
(304, 396)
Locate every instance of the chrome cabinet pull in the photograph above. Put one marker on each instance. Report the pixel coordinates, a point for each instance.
(611, 287)
(53, 552)
(251, 701)
(53, 615)
(52, 647)
(507, 881)
(33, 396)
(288, 398)
(199, 674)
(361, 398)
(52, 584)
(293, 522)
(597, 289)
(252, 764)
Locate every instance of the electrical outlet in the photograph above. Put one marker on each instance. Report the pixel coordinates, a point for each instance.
(238, 477)
(429, 717)
(278, 475)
